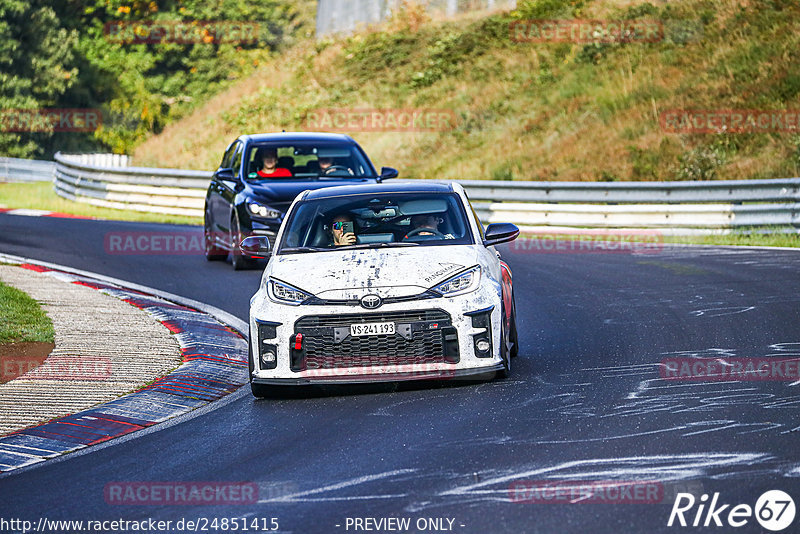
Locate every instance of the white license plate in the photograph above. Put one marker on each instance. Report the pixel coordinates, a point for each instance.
(372, 329)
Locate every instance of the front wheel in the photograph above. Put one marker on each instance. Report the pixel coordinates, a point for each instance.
(505, 352)
(260, 390)
(514, 337)
(212, 251)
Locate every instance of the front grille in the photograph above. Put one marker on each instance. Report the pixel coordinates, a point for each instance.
(422, 337)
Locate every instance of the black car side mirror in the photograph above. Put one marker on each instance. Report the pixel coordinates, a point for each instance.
(388, 172)
(500, 233)
(225, 174)
(256, 245)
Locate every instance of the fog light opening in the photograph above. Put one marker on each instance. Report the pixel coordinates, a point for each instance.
(269, 356)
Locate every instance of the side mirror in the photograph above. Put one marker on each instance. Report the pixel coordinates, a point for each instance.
(225, 174)
(388, 172)
(256, 245)
(500, 233)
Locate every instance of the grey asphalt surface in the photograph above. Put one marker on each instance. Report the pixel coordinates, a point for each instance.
(584, 403)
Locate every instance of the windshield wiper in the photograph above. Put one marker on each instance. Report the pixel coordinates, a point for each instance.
(296, 250)
(376, 245)
(340, 177)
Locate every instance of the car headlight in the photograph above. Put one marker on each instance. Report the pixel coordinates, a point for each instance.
(262, 211)
(461, 283)
(284, 293)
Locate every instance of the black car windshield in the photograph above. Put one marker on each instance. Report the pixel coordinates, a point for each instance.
(307, 159)
(376, 221)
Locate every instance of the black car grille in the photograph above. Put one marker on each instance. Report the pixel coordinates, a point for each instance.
(422, 337)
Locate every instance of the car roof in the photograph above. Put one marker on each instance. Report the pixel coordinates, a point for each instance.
(297, 136)
(371, 189)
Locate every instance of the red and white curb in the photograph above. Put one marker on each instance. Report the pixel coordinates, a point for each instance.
(40, 213)
(214, 354)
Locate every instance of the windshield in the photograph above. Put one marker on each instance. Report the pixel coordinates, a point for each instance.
(306, 160)
(382, 220)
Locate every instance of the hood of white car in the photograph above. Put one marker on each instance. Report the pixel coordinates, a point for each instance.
(388, 272)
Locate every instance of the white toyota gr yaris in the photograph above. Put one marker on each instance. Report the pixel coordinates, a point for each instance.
(381, 282)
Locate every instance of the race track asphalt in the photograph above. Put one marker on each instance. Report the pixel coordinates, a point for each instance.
(585, 402)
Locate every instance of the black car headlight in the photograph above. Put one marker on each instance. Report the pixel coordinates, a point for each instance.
(260, 210)
(285, 293)
(461, 283)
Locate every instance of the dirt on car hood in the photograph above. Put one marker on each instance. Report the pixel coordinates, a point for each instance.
(394, 272)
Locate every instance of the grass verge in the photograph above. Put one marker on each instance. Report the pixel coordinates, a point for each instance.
(22, 318)
(40, 196)
(746, 238)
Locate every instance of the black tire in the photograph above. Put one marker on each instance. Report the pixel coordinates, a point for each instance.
(514, 338)
(212, 251)
(239, 261)
(260, 390)
(505, 354)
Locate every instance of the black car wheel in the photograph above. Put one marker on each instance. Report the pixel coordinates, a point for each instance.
(505, 353)
(514, 338)
(238, 259)
(212, 251)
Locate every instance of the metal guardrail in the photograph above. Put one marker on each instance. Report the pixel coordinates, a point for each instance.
(168, 191)
(670, 207)
(673, 207)
(25, 170)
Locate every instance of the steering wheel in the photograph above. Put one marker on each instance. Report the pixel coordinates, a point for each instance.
(417, 231)
(339, 168)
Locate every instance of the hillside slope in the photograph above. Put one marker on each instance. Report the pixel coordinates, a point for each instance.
(532, 111)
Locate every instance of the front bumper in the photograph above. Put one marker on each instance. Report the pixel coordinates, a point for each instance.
(454, 374)
(339, 362)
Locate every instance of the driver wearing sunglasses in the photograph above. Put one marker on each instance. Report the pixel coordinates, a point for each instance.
(339, 230)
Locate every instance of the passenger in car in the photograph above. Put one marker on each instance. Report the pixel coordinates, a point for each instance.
(339, 226)
(425, 222)
(269, 164)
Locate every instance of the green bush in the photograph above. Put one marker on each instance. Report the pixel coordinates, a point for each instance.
(138, 87)
(700, 163)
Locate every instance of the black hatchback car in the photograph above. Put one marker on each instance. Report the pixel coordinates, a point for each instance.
(259, 177)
